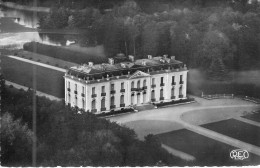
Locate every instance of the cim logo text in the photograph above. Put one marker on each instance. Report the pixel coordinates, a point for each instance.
(239, 154)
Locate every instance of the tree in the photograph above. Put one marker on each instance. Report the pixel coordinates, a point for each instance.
(150, 38)
(16, 142)
(2, 85)
(217, 70)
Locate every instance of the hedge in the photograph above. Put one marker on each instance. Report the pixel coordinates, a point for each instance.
(174, 102)
(112, 112)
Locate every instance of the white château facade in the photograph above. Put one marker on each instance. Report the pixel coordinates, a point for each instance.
(109, 86)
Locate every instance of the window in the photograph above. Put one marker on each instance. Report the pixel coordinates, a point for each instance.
(69, 99)
(138, 84)
(172, 92)
(75, 87)
(103, 89)
(144, 97)
(173, 78)
(161, 80)
(122, 99)
(180, 90)
(68, 84)
(103, 103)
(144, 83)
(93, 104)
(181, 78)
(83, 104)
(132, 84)
(112, 86)
(76, 101)
(161, 93)
(93, 90)
(122, 85)
(153, 81)
(112, 103)
(83, 89)
(132, 99)
(153, 94)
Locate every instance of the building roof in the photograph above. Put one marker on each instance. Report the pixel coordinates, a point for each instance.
(110, 69)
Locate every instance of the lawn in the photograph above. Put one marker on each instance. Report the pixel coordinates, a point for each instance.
(254, 116)
(9, 26)
(45, 59)
(236, 129)
(208, 152)
(47, 80)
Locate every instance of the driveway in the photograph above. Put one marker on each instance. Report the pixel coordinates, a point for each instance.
(162, 120)
(189, 116)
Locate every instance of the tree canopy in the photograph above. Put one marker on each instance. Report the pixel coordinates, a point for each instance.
(66, 137)
(194, 31)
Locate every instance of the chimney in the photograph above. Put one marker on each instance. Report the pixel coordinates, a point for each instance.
(123, 65)
(165, 56)
(90, 64)
(162, 60)
(131, 58)
(173, 57)
(111, 61)
(150, 57)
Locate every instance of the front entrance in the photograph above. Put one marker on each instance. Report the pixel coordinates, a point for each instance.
(138, 98)
(132, 99)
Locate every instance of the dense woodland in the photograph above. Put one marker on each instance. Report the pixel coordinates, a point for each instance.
(214, 36)
(67, 138)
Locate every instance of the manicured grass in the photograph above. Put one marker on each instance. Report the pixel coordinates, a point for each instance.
(254, 116)
(9, 26)
(237, 129)
(77, 56)
(46, 60)
(208, 152)
(47, 80)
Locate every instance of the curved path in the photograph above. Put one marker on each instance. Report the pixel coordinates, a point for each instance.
(174, 118)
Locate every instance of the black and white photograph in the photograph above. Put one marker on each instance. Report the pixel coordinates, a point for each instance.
(129, 83)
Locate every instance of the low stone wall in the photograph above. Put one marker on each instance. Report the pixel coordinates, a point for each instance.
(231, 96)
